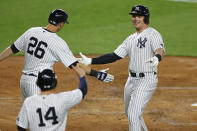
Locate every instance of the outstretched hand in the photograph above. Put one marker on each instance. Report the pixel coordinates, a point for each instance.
(104, 76)
(84, 59)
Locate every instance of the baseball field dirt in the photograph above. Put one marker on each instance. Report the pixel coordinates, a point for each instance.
(103, 108)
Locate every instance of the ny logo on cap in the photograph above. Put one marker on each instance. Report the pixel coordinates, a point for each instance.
(137, 8)
(141, 43)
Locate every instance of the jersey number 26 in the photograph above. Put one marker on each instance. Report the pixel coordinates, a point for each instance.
(35, 47)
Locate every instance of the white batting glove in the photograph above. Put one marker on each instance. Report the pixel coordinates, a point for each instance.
(154, 61)
(84, 59)
(104, 76)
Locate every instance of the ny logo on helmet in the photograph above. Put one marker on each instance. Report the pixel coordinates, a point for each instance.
(141, 43)
(137, 8)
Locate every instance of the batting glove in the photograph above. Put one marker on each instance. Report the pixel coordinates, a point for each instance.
(154, 61)
(84, 59)
(104, 76)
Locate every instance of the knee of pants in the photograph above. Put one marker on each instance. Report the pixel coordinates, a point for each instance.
(134, 116)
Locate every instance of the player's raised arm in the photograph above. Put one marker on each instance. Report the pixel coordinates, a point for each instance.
(6, 53)
(101, 75)
(103, 59)
(82, 85)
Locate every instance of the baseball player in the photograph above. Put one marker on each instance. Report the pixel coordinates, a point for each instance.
(48, 111)
(145, 49)
(42, 48)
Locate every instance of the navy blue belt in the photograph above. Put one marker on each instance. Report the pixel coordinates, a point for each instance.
(139, 74)
(31, 74)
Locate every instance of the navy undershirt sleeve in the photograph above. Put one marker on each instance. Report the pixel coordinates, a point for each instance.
(73, 64)
(21, 129)
(14, 49)
(107, 58)
(83, 86)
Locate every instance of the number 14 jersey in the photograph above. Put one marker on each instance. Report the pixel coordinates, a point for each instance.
(47, 112)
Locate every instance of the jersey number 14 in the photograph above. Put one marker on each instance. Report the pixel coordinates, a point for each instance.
(50, 115)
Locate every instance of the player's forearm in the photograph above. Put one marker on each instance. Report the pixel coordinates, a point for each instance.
(6, 53)
(83, 86)
(104, 59)
(87, 69)
(160, 52)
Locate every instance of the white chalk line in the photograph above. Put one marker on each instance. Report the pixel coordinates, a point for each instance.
(10, 98)
(176, 123)
(179, 88)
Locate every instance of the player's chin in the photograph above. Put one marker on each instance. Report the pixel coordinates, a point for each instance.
(136, 25)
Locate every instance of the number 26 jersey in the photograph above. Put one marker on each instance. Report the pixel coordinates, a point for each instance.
(42, 49)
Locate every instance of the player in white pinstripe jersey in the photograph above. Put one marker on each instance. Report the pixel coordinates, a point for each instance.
(145, 49)
(42, 48)
(48, 111)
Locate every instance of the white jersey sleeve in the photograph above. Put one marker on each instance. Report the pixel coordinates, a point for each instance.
(71, 98)
(21, 41)
(64, 54)
(22, 119)
(157, 41)
(122, 49)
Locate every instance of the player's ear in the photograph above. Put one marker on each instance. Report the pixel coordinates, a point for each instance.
(61, 25)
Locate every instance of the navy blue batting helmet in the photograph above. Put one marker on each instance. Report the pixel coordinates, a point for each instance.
(57, 16)
(141, 10)
(46, 80)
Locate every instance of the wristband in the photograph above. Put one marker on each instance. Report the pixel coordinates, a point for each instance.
(158, 56)
(93, 73)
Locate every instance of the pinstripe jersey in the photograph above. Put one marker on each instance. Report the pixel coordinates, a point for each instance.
(42, 49)
(140, 47)
(47, 112)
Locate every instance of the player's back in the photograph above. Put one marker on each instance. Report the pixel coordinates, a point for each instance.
(49, 112)
(42, 49)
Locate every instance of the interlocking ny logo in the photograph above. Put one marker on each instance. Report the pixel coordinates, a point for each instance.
(141, 43)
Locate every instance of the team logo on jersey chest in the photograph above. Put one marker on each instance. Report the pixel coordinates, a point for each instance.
(141, 43)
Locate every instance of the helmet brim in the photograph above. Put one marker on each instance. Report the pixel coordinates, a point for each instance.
(137, 13)
(66, 22)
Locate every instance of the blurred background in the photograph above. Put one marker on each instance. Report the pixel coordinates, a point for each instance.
(99, 26)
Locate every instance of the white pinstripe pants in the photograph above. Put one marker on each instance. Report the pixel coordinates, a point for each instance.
(137, 93)
(28, 86)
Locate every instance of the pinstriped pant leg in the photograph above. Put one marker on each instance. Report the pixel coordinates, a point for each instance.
(28, 86)
(134, 113)
(127, 93)
(144, 89)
